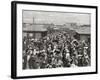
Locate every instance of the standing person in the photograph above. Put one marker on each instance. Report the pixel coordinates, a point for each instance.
(49, 53)
(31, 62)
(86, 60)
(66, 57)
(74, 56)
(29, 56)
(80, 56)
(24, 60)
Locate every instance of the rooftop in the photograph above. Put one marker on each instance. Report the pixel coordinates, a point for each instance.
(82, 29)
(34, 27)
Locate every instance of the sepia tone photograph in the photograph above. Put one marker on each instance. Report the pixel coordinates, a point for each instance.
(52, 39)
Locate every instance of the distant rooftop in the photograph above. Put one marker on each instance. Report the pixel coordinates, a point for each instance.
(82, 29)
(34, 27)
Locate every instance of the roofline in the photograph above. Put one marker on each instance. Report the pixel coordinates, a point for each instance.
(33, 31)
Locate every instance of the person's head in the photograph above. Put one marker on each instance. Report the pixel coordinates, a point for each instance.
(48, 38)
(37, 49)
(49, 45)
(85, 50)
(80, 50)
(67, 55)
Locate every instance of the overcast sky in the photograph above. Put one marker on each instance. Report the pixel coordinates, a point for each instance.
(55, 17)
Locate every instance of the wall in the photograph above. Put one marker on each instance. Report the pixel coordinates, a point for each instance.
(84, 37)
(5, 40)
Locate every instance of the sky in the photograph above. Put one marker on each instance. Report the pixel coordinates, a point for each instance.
(58, 18)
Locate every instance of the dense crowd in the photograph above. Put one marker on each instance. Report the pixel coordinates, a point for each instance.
(57, 49)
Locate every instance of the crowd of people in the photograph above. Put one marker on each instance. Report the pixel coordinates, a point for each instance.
(57, 49)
